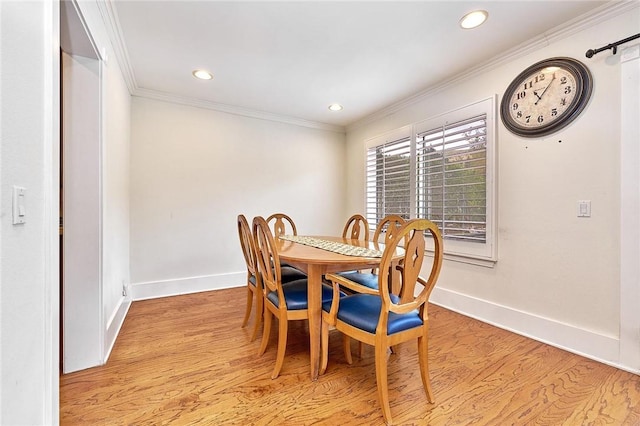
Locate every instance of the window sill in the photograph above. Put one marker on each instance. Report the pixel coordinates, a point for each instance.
(485, 263)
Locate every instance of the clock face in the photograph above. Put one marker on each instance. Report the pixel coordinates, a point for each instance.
(546, 97)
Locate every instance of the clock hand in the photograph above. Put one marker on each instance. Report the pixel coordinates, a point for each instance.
(539, 97)
(545, 89)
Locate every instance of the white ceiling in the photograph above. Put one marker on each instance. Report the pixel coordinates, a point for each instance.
(293, 59)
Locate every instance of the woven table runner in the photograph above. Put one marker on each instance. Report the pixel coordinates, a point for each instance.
(333, 246)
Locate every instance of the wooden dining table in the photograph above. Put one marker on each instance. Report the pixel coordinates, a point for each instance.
(316, 262)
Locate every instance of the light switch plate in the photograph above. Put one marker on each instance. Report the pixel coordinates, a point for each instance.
(19, 209)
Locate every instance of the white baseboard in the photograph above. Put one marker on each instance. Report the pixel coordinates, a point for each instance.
(155, 289)
(113, 326)
(586, 343)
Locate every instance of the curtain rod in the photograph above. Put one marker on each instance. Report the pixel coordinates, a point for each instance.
(612, 46)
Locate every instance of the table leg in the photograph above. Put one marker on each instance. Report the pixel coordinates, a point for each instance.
(314, 291)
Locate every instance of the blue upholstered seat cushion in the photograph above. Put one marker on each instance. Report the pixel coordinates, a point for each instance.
(363, 311)
(295, 294)
(366, 279)
(285, 264)
(289, 273)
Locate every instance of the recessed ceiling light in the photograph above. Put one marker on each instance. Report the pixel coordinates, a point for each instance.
(202, 74)
(474, 19)
(335, 107)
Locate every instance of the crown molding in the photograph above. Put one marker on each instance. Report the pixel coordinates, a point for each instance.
(233, 109)
(112, 25)
(580, 23)
(110, 17)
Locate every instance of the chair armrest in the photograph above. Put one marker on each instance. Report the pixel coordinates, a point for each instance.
(417, 303)
(336, 282)
(340, 280)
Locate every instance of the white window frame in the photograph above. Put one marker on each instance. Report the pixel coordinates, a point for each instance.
(480, 253)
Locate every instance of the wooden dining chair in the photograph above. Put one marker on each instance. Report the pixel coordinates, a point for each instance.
(285, 301)
(356, 227)
(282, 225)
(254, 280)
(383, 319)
(388, 228)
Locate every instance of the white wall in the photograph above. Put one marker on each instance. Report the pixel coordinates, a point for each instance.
(116, 133)
(557, 277)
(194, 170)
(81, 149)
(115, 218)
(630, 208)
(29, 157)
(28, 262)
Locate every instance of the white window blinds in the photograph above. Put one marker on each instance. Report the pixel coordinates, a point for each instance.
(389, 180)
(451, 179)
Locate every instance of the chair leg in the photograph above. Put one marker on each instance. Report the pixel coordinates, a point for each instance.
(259, 314)
(346, 345)
(283, 329)
(382, 381)
(266, 330)
(423, 354)
(324, 347)
(361, 350)
(247, 312)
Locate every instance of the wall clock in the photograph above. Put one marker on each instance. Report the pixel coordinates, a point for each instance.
(546, 97)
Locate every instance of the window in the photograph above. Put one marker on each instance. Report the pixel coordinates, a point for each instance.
(441, 169)
(389, 177)
(451, 179)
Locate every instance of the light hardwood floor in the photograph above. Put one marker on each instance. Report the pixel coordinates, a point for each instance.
(185, 360)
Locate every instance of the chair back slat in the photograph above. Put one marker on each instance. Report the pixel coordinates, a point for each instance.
(282, 224)
(356, 227)
(389, 226)
(412, 263)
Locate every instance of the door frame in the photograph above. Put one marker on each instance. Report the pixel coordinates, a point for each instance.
(81, 72)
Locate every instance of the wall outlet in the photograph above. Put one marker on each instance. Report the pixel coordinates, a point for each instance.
(124, 289)
(584, 208)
